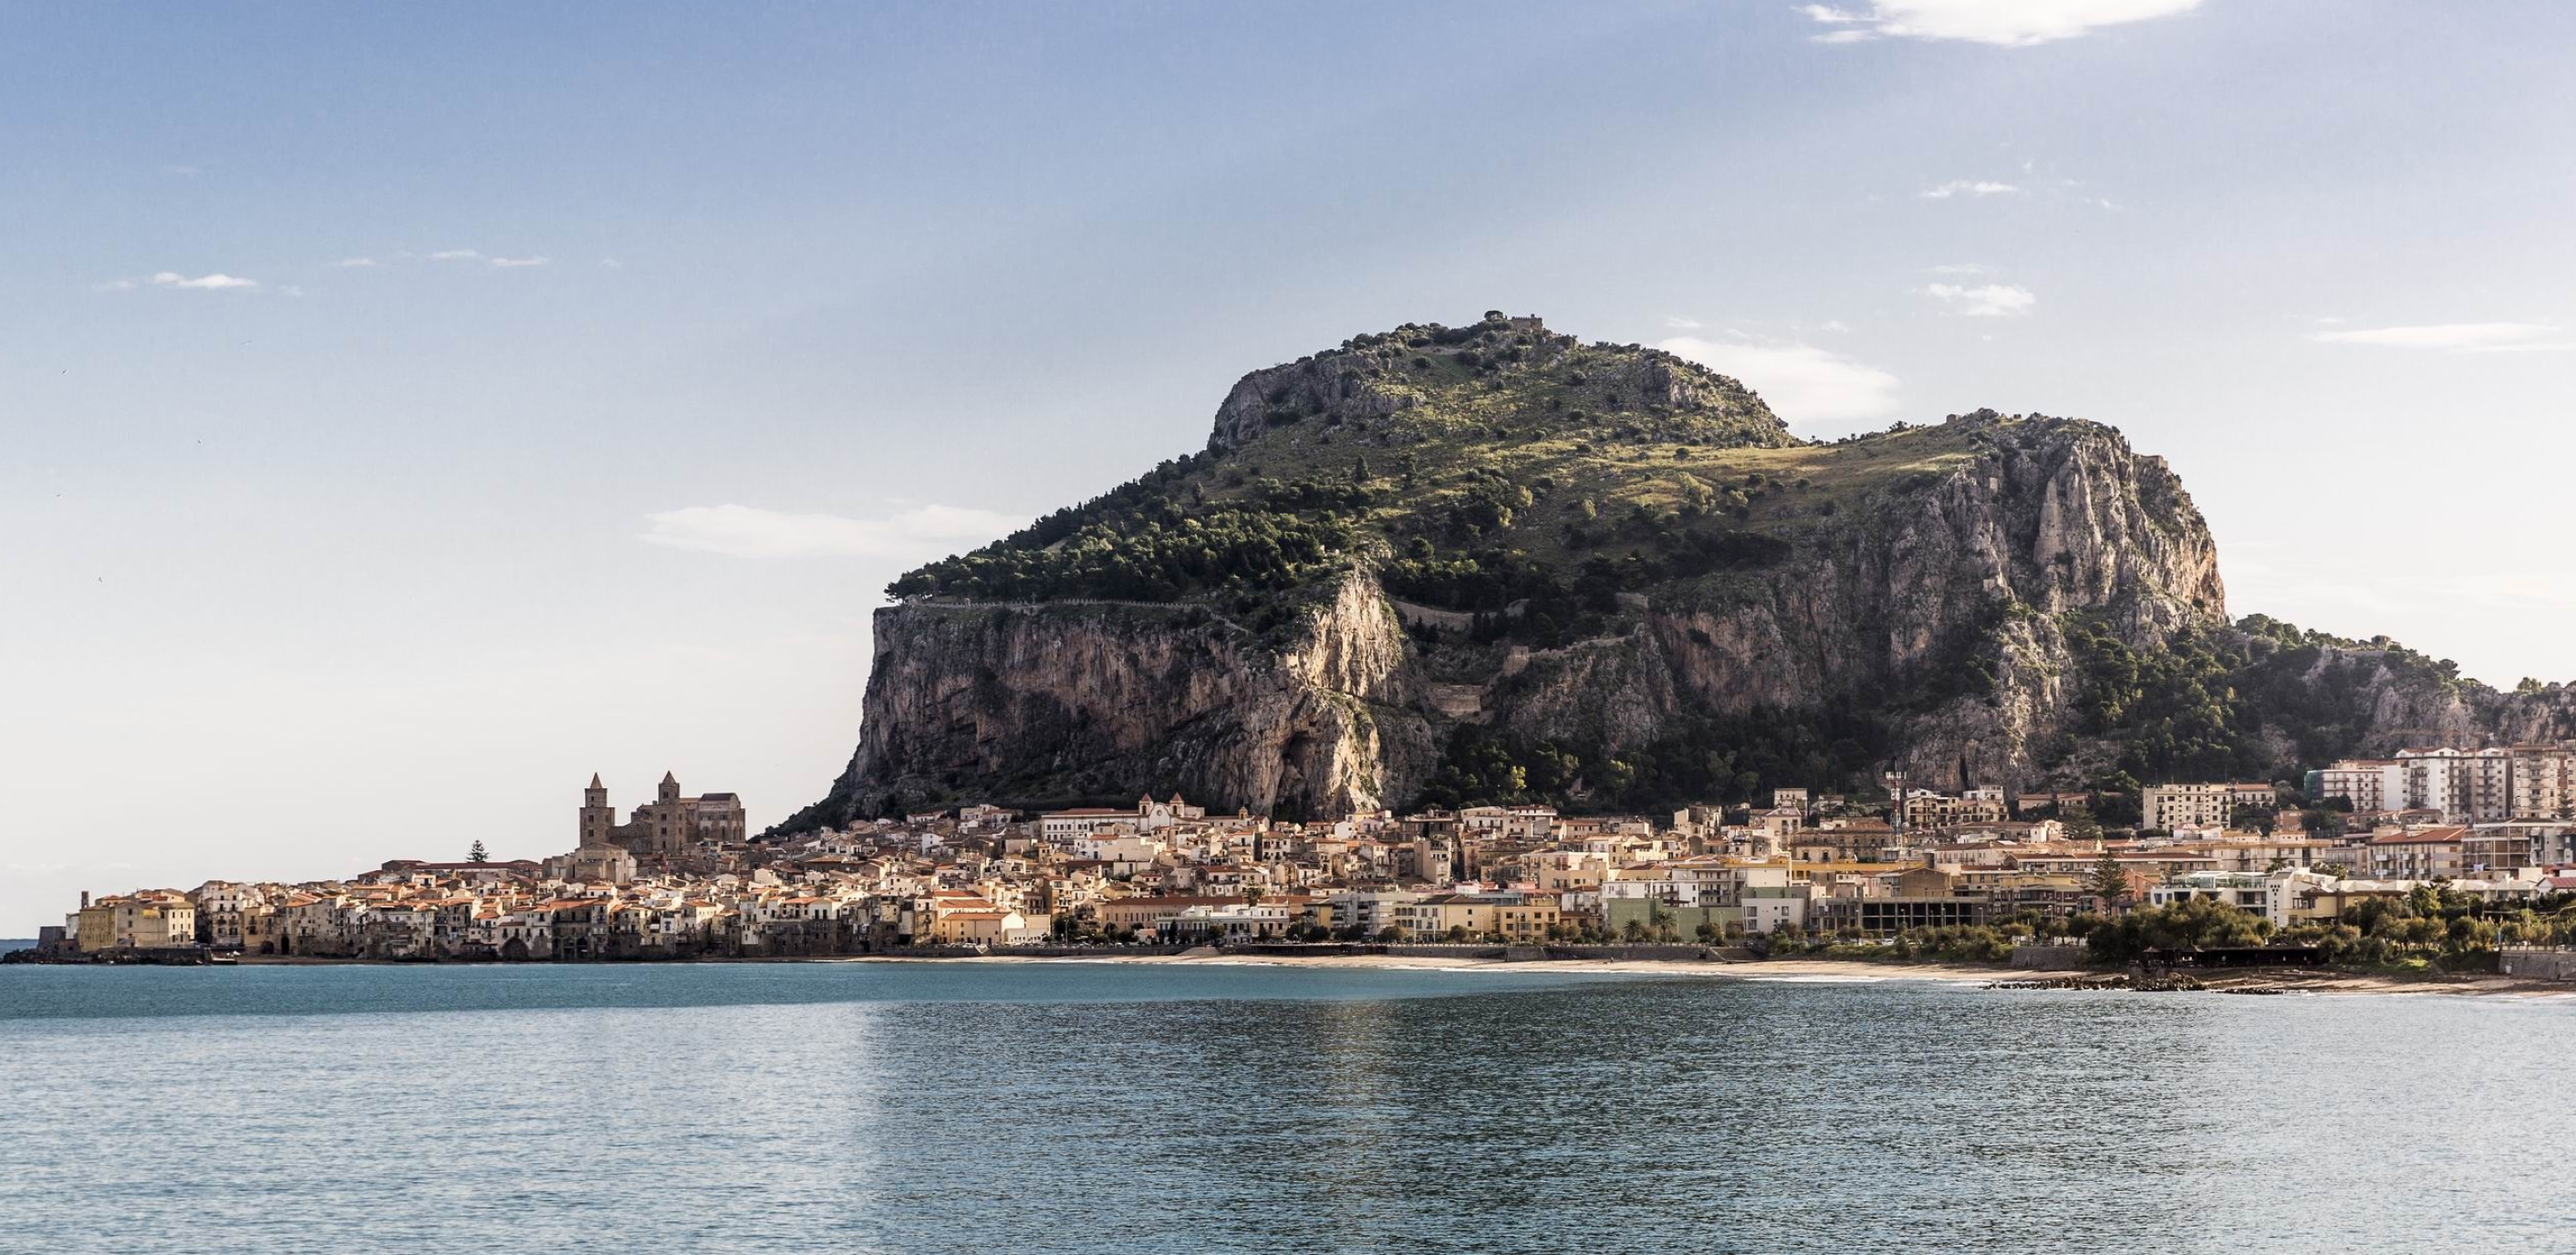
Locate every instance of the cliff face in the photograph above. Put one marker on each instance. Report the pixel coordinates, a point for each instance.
(1434, 535)
(1957, 589)
(1073, 700)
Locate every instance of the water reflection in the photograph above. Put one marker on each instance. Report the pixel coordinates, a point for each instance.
(1609, 1115)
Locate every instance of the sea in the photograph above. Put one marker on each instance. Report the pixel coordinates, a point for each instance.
(1102, 1107)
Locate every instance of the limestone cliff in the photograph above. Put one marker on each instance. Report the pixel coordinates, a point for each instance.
(1096, 700)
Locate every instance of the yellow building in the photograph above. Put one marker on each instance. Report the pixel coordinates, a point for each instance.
(1528, 919)
(1518, 916)
(94, 926)
(958, 918)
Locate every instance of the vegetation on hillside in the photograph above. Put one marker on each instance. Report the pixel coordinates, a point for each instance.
(1516, 471)
(2220, 704)
(1701, 758)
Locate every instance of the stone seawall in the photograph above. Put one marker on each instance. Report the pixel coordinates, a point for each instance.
(2538, 964)
(2048, 958)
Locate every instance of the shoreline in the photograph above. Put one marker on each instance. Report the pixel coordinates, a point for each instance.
(1803, 969)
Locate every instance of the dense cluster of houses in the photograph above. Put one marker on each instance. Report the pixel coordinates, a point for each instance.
(1167, 872)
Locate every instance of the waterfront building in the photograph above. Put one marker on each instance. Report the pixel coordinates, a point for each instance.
(2267, 896)
(2416, 853)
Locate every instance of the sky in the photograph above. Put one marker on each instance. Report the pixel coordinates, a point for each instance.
(407, 411)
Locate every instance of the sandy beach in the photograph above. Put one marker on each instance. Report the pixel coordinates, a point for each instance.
(1793, 970)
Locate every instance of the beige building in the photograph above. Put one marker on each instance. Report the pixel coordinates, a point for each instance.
(665, 826)
(2544, 781)
(1924, 808)
(2171, 806)
(2416, 853)
(594, 865)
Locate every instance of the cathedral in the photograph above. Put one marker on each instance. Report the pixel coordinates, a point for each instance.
(664, 826)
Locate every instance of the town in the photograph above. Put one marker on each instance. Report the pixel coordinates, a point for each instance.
(2491, 832)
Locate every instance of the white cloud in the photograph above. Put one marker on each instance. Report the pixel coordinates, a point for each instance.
(508, 263)
(747, 532)
(611, 263)
(2456, 337)
(1991, 300)
(1675, 322)
(455, 254)
(1968, 187)
(172, 279)
(348, 263)
(2005, 23)
(117, 285)
(1803, 383)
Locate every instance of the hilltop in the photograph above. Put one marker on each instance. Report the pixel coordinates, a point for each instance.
(1491, 562)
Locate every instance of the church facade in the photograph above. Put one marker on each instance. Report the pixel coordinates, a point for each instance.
(665, 826)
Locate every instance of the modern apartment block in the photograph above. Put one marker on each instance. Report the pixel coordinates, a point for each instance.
(2463, 786)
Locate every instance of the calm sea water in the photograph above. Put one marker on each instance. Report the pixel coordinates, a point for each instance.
(1088, 1107)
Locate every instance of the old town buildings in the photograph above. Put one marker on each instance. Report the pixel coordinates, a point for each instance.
(679, 879)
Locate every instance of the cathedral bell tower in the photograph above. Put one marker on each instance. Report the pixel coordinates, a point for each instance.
(596, 817)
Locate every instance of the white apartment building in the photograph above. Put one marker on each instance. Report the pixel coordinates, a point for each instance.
(2464, 785)
(1082, 821)
(2369, 784)
(2264, 895)
(1373, 911)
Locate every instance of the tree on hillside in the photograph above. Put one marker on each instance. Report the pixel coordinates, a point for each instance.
(476, 853)
(2081, 825)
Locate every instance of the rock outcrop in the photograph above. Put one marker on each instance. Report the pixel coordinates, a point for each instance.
(1935, 581)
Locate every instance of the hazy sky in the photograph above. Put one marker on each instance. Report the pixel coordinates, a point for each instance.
(412, 410)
